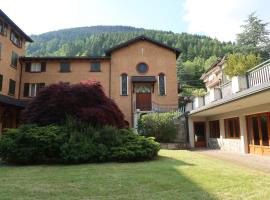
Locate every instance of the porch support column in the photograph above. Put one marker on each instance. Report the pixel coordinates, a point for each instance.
(191, 132)
(1, 118)
(207, 132)
(222, 133)
(243, 136)
(222, 129)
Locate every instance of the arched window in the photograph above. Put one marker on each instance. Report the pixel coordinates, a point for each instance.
(124, 84)
(162, 84)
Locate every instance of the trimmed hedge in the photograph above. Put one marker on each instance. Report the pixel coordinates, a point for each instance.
(159, 125)
(76, 142)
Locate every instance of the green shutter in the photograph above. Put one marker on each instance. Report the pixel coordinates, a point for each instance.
(40, 85)
(43, 66)
(64, 67)
(26, 90)
(12, 87)
(95, 67)
(27, 67)
(14, 59)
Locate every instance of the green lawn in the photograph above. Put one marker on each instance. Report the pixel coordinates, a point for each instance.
(174, 175)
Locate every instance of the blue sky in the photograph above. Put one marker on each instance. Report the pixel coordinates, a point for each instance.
(215, 18)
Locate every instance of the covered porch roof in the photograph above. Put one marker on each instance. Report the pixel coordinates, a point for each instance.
(12, 101)
(254, 96)
(143, 79)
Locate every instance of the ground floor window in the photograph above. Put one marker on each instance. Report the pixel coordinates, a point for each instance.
(232, 127)
(31, 89)
(258, 127)
(214, 129)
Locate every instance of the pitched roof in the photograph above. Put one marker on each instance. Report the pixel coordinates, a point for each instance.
(219, 62)
(64, 58)
(142, 38)
(11, 23)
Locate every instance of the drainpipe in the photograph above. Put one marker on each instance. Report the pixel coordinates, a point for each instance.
(132, 109)
(110, 78)
(20, 80)
(187, 127)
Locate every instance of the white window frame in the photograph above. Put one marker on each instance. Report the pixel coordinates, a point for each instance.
(165, 84)
(35, 67)
(121, 92)
(35, 86)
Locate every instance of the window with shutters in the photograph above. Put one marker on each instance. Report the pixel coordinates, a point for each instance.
(65, 67)
(14, 59)
(162, 84)
(35, 67)
(1, 82)
(12, 87)
(124, 84)
(3, 28)
(95, 67)
(16, 39)
(31, 89)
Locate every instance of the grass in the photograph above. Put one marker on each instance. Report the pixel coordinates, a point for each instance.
(174, 175)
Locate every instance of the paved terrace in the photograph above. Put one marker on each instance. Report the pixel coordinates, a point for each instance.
(256, 162)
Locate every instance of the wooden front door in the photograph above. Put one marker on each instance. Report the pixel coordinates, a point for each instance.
(258, 127)
(143, 101)
(199, 134)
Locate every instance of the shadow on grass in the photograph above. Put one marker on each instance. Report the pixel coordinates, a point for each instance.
(163, 178)
(181, 186)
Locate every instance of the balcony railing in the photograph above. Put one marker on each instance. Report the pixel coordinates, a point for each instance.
(226, 89)
(164, 107)
(160, 108)
(207, 98)
(259, 74)
(256, 76)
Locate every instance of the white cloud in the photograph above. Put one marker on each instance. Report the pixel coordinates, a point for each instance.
(221, 18)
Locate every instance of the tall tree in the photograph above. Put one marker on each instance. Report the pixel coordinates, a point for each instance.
(255, 34)
(239, 64)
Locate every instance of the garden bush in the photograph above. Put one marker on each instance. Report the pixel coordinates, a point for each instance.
(31, 144)
(85, 101)
(74, 142)
(159, 125)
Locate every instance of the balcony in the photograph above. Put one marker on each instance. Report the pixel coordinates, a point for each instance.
(155, 107)
(253, 80)
(259, 74)
(164, 107)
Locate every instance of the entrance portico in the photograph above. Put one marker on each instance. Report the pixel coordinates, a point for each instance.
(143, 88)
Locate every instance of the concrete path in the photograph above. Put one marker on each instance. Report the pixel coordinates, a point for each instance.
(256, 162)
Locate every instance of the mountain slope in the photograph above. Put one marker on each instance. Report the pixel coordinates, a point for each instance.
(95, 40)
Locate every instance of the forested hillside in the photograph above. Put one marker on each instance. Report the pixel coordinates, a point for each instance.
(94, 40)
